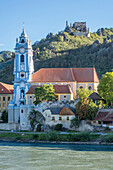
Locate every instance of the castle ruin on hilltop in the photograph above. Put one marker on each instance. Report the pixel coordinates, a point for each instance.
(78, 28)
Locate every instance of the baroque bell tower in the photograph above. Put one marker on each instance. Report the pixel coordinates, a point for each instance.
(23, 68)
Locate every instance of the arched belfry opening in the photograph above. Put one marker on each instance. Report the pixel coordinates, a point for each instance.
(22, 58)
(22, 93)
(22, 41)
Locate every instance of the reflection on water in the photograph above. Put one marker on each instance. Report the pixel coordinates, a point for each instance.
(55, 157)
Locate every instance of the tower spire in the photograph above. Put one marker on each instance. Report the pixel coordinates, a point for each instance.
(23, 28)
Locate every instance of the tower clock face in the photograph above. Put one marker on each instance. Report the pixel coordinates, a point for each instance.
(22, 50)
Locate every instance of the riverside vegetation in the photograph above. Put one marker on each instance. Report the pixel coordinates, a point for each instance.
(57, 137)
(67, 50)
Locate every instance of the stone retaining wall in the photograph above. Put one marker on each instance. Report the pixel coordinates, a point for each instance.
(9, 126)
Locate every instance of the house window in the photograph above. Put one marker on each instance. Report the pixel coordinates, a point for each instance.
(0, 98)
(22, 111)
(3, 98)
(60, 118)
(8, 98)
(90, 87)
(81, 87)
(99, 122)
(2, 90)
(67, 118)
(30, 97)
(53, 118)
(22, 58)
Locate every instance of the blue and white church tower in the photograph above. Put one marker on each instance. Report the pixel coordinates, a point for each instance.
(23, 70)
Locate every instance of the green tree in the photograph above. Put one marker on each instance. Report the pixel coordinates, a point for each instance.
(86, 109)
(75, 123)
(45, 92)
(36, 119)
(105, 87)
(83, 93)
(4, 116)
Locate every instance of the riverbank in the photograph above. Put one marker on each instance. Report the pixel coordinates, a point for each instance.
(54, 137)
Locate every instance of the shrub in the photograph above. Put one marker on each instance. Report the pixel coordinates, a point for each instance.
(82, 137)
(41, 137)
(107, 129)
(58, 127)
(51, 136)
(108, 139)
(4, 116)
(35, 136)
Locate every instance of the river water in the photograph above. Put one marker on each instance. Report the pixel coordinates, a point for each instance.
(15, 156)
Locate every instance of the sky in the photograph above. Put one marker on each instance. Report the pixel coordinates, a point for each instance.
(41, 17)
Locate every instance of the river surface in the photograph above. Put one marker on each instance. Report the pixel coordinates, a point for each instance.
(21, 156)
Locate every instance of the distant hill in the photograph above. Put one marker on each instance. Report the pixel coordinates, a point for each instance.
(66, 50)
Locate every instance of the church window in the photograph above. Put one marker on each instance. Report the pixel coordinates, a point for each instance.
(3, 98)
(22, 111)
(22, 103)
(81, 87)
(22, 41)
(22, 58)
(60, 118)
(53, 118)
(8, 98)
(22, 75)
(64, 97)
(4, 105)
(90, 87)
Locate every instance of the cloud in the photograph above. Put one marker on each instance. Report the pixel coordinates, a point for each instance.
(1, 45)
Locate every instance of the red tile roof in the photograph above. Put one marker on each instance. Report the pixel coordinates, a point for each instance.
(109, 117)
(65, 75)
(64, 89)
(66, 111)
(6, 88)
(101, 115)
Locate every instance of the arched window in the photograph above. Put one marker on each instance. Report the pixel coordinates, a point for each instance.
(22, 41)
(22, 58)
(81, 87)
(90, 87)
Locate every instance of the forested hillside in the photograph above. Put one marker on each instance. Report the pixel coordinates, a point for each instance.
(67, 50)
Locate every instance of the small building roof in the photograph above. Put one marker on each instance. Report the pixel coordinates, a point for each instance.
(101, 116)
(65, 75)
(6, 88)
(95, 96)
(109, 117)
(64, 89)
(63, 111)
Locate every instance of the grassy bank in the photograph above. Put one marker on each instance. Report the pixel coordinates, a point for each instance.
(50, 136)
